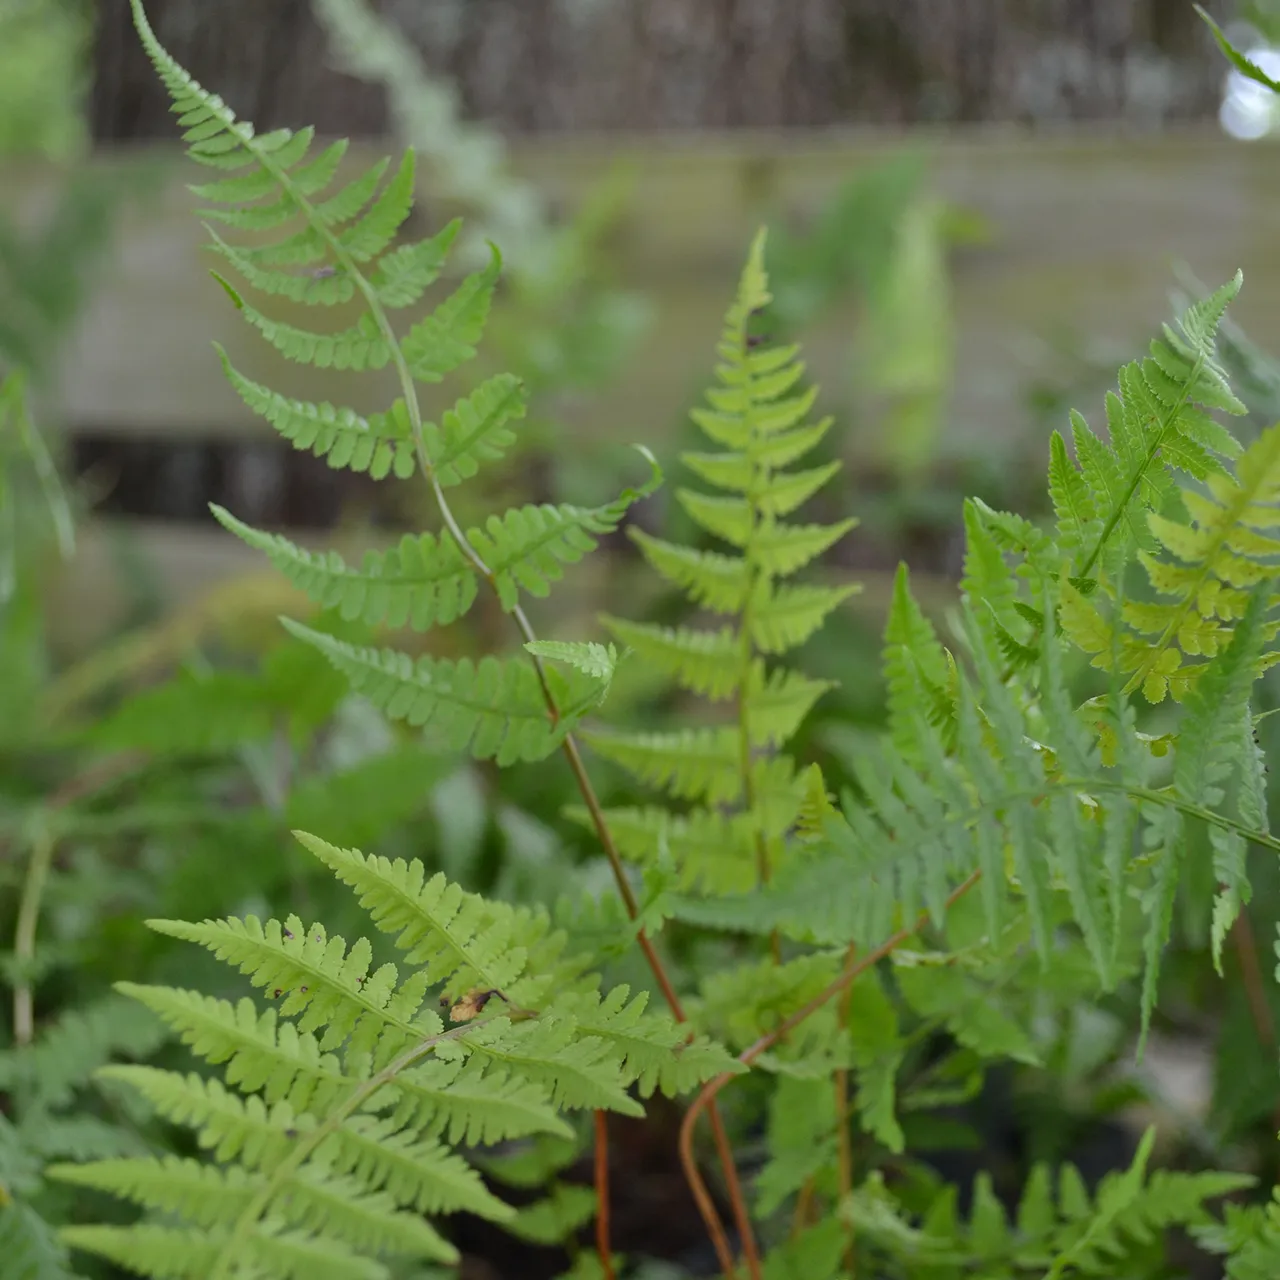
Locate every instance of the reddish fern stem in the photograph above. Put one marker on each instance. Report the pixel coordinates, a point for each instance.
(706, 1098)
(603, 1245)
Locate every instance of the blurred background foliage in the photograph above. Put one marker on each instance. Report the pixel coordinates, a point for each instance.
(161, 774)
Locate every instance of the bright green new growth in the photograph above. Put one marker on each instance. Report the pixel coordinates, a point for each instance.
(761, 423)
(1123, 497)
(332, 1134)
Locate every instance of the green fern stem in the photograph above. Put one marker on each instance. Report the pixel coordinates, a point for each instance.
(1135, 480)
(307, 1145)
(24, 941)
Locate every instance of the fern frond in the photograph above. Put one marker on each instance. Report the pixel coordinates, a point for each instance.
(704, 662)
(361, 346)
(776, 703)
(230, 1126)
(784, 617)
(420, 1173)
(916, 670)
(261, 1053)
(457, 937)
(494, 709)
(318, 979)
(758, 416)
(711, 850)
(692, 764)
(446, 339)
(716, 581)
(475, 430)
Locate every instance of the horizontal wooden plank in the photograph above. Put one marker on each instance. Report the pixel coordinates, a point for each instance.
(1086, 230)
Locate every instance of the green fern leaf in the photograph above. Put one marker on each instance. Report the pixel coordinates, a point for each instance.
(496, 710)
(377, 227)
(231, 1127)
(784, 617)
(914, 661)
(718, 582)
(381, 445)
(475, 430)
(592, 659)
(422, 583)
(705, 662)
(362, 346)
(261, 1052)
(692, 764)
(456, 936)
(712, 851)
(405, 274)
(445, 340)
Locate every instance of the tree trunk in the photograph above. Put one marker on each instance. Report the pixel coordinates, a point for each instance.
(542, 65)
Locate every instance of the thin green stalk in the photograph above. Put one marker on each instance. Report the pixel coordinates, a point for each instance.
(24, 942)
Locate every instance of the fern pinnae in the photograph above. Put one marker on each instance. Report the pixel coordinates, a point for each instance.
(1180, 373)
(757, 416)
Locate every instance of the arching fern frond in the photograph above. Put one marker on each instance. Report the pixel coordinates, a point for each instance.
(1202, 583)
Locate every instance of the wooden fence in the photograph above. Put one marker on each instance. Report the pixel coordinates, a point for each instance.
(1085, 233)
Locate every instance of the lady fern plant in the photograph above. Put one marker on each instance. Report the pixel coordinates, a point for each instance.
(1003, 818)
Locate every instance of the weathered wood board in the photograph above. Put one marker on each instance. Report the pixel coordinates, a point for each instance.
(1085, 232)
